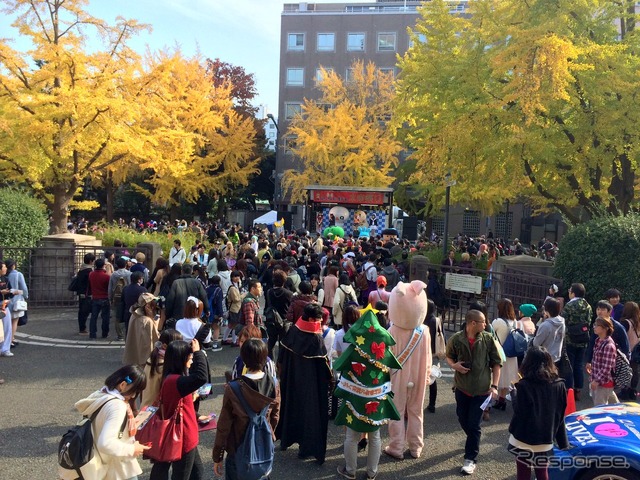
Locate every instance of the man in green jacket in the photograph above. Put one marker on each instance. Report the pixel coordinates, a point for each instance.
(473, 355)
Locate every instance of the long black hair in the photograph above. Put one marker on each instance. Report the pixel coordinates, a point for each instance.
(538, 365)
(132, 375)
(176, 358)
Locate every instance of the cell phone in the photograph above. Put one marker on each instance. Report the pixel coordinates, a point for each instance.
(204, 390)
(466, 365)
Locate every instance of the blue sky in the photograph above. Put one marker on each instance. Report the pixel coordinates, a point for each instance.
(241, 32)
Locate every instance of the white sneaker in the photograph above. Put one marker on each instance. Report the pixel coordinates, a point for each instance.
(468, 467)
(6, 354)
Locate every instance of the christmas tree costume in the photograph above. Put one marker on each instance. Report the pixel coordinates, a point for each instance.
(407, 311)
(365, 369)
(364, 386)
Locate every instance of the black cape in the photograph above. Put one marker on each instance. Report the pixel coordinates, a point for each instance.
(305, 382)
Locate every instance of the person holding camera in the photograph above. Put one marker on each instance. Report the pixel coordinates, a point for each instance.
(143, 331)
(473, 355)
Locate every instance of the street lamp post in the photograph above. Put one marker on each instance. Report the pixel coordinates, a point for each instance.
(276, 186)
(449, 183)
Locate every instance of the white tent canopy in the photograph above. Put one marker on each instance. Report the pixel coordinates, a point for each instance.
(268, 218)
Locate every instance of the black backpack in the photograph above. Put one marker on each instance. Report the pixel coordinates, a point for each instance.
(254, 455)
(75, 449)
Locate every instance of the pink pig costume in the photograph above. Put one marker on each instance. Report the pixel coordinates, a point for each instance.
(407, 311)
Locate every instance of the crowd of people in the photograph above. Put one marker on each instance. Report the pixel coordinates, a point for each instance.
(314, 291)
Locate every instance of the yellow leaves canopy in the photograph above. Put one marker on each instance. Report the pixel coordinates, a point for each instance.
(528, 99)
(349, 143)
(71, 115)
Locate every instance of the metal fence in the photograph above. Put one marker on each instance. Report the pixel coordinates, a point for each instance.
(48, 271)
(520, 286)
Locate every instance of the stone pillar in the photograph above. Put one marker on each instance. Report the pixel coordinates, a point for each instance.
(153, 251)
(419, 268)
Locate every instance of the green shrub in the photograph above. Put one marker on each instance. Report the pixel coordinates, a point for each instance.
(108, 234)
(601, 254)
(23, 219)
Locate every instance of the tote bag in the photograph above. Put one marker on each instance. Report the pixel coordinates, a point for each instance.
(165, 435)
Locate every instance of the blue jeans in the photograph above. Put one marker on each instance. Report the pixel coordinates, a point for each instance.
(576, 358)
(469, 416)
(103, 308)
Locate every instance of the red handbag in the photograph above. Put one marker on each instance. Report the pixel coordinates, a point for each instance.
(164, 435)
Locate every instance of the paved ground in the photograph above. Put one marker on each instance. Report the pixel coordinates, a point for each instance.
(53, 367)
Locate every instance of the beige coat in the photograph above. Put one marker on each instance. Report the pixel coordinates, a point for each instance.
(338, 299)
(113, 457)
(141, 338)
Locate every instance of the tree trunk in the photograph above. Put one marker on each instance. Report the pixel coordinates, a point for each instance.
(220, 215)
(60, 210)
(110, 194)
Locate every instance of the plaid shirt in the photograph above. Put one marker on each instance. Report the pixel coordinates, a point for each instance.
(604, 361)
(250, 315)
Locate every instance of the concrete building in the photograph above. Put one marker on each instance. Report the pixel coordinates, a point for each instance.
(270, 128)
(333, 36)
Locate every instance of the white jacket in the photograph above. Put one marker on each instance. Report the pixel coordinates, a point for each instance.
(113, 457)
(341, 294)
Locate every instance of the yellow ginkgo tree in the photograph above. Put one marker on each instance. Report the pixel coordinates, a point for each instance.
(349, 143)
(525, 99)
(64, 113)
(196, 142)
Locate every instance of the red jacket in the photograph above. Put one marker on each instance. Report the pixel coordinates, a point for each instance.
(99, 285)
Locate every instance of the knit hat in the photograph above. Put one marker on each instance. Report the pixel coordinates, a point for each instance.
(528, 309)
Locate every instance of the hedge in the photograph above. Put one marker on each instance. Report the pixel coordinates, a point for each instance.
(23, 219)
(602, 253)
(108, 234)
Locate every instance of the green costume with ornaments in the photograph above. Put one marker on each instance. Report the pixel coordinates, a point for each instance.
(365, 381)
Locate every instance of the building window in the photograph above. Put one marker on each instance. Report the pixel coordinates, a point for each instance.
(471, 223)
(386, 42)
(504, 225)
(319, 76)
(295, 77)
(437, 226)
(325, 107)
(326, 42)
(295, 42)
(422, 38)
(292, 109)
(290, 144)
(355, 42)
(349, 75)
(388, 71)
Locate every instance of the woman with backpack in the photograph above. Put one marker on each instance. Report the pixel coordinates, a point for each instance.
(345, 295)
(184, 372)
(113, 428)
(258, 390)
(502, 325)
